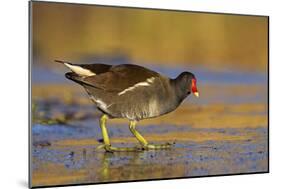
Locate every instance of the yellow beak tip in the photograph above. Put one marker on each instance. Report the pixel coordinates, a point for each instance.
(196, 94)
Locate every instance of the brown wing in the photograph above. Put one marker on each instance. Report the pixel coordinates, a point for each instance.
(96, 68)
(120, 77)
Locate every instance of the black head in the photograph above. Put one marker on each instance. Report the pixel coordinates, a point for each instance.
(185, 83)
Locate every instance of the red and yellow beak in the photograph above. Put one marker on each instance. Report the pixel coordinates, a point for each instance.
(196, 94)
(194, 88)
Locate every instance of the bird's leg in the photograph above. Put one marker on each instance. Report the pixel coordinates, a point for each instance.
(104, 130)
(107, 146)
(143, 142)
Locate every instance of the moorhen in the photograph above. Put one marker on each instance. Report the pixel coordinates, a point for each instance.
(132, 92)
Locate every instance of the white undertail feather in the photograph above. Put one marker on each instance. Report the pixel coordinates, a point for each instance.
(101, 104)
(147, 82)
(79, 70)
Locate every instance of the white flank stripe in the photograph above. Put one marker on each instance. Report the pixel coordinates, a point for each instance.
(79, 70)
(101, 104)
(150, 80)
(144, 83)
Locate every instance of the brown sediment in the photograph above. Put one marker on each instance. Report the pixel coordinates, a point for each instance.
(76, 142)
(64, 92)
(54, 174)
(212, 116)
(171, 136)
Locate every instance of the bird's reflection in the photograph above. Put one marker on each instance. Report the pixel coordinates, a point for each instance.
(138, 165)
(120, 160)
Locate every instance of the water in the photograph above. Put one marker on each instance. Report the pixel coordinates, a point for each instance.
(187, 158)
(225, 131)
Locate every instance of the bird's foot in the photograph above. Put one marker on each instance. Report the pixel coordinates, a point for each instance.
(157, 146)
(109, 148)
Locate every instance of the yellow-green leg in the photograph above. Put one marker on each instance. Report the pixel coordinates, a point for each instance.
(107, 146)
(143, 142)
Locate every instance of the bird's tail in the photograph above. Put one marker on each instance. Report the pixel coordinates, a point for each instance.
(74, 77)
(63, 62)
(79, 79)
(81, 70)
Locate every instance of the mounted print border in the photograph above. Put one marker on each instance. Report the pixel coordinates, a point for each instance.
(113, 94)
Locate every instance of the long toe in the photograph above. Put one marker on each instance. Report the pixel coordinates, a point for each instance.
(109, 148)
(157, 146)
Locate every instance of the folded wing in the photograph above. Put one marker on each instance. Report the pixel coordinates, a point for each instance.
(120, 79)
